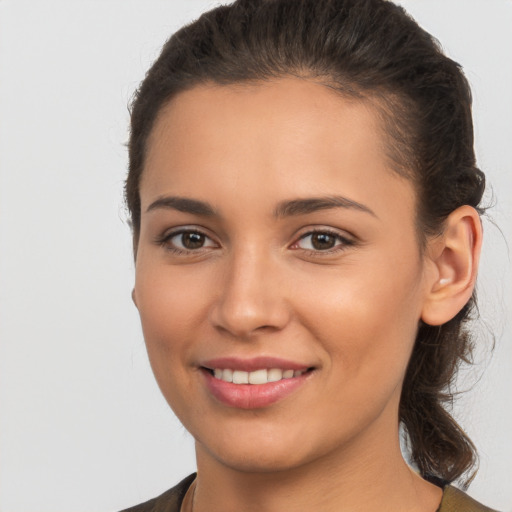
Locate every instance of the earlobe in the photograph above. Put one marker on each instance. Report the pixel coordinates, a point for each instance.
(134, 298)
(454, 257)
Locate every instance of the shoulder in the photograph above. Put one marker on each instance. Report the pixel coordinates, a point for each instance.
(169, 501)
(455, 500)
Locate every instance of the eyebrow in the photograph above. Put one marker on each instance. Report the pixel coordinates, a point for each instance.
(283, 209)
(314, 204)
(183, 204)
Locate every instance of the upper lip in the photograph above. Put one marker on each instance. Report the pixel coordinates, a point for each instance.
(252, 364)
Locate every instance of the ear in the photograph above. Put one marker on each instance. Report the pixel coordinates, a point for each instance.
(134, 298)
(453, 260)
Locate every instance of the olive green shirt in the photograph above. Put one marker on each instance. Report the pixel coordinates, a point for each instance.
(170, 501)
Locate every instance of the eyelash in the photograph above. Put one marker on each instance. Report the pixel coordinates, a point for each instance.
(165, 241)
(343, 242)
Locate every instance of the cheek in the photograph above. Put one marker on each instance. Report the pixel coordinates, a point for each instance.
(165, 308)
(367, 321)
(168, 298)
(171, 306)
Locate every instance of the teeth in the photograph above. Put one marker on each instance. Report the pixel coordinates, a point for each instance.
(262, 376)
(275, 374)
(259, 377)
(240, 377)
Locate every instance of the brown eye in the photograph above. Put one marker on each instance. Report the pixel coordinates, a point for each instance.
(192, 240)
(188, 240)
(323, 241)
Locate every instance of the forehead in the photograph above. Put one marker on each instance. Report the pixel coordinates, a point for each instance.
(290, 136)
(300, 111)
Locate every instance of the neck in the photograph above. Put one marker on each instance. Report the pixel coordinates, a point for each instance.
(367, 474)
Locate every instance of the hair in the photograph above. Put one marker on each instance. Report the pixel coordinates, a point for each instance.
(374, 51)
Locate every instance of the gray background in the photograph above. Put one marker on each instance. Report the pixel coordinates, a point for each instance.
(83, 426)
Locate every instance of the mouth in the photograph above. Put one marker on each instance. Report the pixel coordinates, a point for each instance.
(256, 377)
(255, 383)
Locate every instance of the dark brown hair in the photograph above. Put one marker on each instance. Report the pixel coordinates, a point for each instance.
(372, 50)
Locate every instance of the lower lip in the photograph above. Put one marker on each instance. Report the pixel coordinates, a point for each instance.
(252, 396)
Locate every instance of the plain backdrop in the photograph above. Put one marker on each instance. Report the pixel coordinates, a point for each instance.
(83, 426)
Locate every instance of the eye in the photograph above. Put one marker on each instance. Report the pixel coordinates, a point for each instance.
(190, 240)
(186, 240)
(322, 241)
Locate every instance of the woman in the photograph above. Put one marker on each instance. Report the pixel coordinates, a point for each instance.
(305, 209)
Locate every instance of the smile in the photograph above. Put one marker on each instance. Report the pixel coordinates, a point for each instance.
(253, 383)
(257, 377)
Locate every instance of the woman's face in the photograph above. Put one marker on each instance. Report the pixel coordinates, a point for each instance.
(275, 239)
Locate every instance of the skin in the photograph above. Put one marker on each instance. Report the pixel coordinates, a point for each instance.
(257, 286)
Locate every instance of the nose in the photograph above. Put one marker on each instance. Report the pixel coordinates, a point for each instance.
(251, 296)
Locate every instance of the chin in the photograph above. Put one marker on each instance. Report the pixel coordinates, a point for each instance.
(258, 452)
(259, 461)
